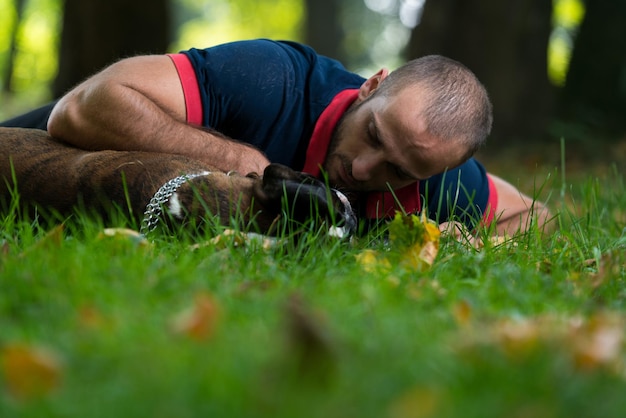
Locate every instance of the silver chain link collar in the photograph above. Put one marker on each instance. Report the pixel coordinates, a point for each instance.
(154, 209)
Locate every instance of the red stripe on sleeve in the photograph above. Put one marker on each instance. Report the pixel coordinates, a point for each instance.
(492, 203)
(191, 90)
(323, 131)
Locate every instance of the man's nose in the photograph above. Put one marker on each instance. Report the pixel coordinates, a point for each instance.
(365, 167)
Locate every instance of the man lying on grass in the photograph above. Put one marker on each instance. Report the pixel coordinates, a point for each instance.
(242, 105)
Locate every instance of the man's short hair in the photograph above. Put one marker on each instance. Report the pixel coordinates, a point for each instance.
(458, 106)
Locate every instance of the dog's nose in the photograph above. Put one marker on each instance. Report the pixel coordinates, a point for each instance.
(348, 222)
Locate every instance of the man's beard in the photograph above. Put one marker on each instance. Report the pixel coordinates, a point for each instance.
(335, 140)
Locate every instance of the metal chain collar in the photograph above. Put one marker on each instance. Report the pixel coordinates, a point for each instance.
(154, 208)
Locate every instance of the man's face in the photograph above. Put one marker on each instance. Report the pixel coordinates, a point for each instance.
(383, 142)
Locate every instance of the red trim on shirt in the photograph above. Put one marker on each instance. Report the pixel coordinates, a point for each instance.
(191, 90)
(385, 205)
(323, 131)
(492, 203)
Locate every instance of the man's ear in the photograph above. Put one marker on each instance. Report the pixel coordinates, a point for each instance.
(372, 83)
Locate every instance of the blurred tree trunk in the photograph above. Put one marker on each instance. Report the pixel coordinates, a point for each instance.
(7, 76)
(505, 44)
(595, 89)
(99, 32)
(323, 29)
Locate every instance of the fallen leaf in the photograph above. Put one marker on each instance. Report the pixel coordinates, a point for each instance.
(373, 261)
(417, 402)
(90, 318)
(30, 371)
(597, 342)
(462, 312)
(52, 239)
(310, 343)
(232, 238)
(198, 321)
(413, 242)
(517, 338)
(125, 234)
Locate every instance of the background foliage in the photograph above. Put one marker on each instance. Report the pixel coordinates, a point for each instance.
(521, 50)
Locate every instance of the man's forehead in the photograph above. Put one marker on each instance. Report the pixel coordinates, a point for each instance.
(412, 145)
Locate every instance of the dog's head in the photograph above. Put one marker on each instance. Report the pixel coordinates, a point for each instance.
(304, 198)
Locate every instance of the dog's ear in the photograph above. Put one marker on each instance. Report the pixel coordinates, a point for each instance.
(279, 182)
(278, 172)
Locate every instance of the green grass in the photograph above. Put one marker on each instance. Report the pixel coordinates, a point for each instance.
(303, 331)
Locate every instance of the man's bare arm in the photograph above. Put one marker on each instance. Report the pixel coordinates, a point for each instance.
(514, 213)
(516, 210)
(138, 104)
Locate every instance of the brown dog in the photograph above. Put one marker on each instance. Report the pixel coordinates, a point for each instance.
(50, 175)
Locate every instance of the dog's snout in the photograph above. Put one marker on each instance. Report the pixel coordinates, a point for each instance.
(349, 220)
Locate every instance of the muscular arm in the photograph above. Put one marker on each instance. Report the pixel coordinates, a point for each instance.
(138, 104)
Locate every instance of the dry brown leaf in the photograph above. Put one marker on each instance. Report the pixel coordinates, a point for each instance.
(597, 342)
(590, 344)
(462, 312)
(311, 346)
(517, 338)
(417, 402)
(198, 321)
(90, 318)
(30, 371)
(52, 239)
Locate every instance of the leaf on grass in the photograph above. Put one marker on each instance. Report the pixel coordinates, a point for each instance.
(597, 342)
(588, 344)
(462, 312)
(198, 321)
(373, 261)
(417, 402)
(29, 371)
(608, 266)
(413, 241)
(52, 239)
(4, 249)
(90, 318)
(238, 239)
(517, 338)
(310, 343)
(124, 235)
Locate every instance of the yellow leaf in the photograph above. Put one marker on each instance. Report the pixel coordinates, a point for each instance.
(422, 252)
(405, 231)
(198, 321)
(231, 237)
(30, 372)
(124, 234)
(373, 262)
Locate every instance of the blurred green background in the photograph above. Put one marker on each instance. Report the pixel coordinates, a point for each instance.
(553, 69)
